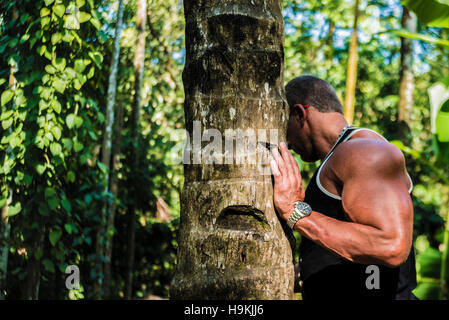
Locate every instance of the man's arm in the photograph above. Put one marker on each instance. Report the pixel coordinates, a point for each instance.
(375, 199)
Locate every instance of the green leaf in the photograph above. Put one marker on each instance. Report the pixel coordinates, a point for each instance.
(45, 21)
(71, 176)
(6, 115)
(15, 141)
(48, 2)
(78, 146)
(55, 38)
(40, 168)
(50, 69)
(7, 123)
(84, 16)
(433, 13)
(67, 143)
(45, 12)
(430, 263)
(70, 120)
(66, 205)
(96, 23)
(80, 65)
(59, 85)
(70, 72)
(96, 57)
(48, 265)
(102, 167)
(56, 131)
(13, 210)
(59, 10)
(55, 148)
(56, 106)
(68, 228)
(59, 63)
(410, 35)
(80, 3)
(54, 236)
(78, 121)
(53, 203)
(6, 97)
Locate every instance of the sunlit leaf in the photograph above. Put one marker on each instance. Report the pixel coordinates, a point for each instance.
(434, 13)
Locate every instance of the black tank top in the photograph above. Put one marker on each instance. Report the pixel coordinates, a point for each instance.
(327, 275)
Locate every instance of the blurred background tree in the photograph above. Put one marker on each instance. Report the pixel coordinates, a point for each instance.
(54, 80)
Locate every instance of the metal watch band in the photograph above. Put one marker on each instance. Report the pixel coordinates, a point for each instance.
(300, 211)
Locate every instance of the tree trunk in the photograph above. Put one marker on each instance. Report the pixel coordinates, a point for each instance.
(4, 249)
(139, 59)
(351, 76)
(329, 50)
(106, 146)
(113, 206)
(231, 242)
(406, 84)
(32, 283)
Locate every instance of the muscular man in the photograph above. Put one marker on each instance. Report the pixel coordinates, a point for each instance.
(356, 216)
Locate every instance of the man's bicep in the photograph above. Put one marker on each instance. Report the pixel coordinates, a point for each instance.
(377, 200)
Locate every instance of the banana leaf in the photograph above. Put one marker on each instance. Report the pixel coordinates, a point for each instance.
(433, 13)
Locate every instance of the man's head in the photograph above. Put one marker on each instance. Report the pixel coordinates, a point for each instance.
(314, 105)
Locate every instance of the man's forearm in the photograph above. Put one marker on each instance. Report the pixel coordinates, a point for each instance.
(352, 241)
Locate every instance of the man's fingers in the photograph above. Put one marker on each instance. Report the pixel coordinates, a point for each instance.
(275, 169)
(279, 161)
(286, 156)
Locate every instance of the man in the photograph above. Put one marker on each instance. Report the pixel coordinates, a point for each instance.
(356, 216)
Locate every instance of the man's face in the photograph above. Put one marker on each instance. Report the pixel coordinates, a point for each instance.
(298, 136)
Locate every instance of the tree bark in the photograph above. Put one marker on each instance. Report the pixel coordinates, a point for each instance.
(329, 51)
(4, 249)
(139, 59)
(351, 76)
(106, 146)
(231, 242)
(113, 207)
(406, 84)
(32, 283)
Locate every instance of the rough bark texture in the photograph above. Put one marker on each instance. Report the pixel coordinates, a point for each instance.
(139, 58)
(351, 76)
(231, 242)
(107, 143)
(406, 84)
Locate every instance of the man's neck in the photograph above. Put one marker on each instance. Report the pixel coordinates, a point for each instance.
(328, 133)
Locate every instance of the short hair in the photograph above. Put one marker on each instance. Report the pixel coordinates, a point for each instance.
(314, 92)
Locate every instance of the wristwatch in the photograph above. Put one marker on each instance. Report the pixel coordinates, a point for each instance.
(300, 211)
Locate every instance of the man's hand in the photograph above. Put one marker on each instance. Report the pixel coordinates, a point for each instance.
(288, 187)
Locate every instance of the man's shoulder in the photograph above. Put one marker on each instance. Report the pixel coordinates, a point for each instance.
(367, 152)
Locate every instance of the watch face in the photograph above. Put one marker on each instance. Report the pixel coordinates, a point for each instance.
(303, 207)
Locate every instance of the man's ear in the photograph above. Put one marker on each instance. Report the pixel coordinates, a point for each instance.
(300, 110)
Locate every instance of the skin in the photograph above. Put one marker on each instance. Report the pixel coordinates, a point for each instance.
(366, 171)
